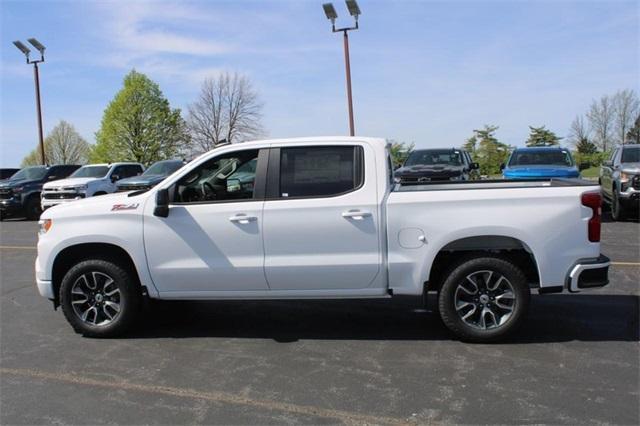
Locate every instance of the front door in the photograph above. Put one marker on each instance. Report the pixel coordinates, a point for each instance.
(212, 239)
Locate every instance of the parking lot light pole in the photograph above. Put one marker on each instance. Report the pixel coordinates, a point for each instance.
(332, 15)
(36, 76)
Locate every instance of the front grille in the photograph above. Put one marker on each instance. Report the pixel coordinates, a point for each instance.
(123, 188)
(6, 194)
(61, 195)
(635, 182)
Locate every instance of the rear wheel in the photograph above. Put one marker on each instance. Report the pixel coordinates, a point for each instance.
(33, 210)
(99, 298)
(484, 299)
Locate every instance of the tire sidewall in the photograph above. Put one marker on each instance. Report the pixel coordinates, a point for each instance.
(446, 299)
(32, 208)
(129, 297)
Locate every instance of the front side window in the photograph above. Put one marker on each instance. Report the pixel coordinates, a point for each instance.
(224, 178)
(320, 171)
(630, 155)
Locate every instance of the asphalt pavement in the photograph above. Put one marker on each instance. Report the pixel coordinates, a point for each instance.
(575, 361)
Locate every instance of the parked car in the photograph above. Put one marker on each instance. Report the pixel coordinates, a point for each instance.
(620, 180)
(427, 165)
(7, 173)
(321, 219)
(88, 181)
(20, 194)
(541, 163)
(155, 174)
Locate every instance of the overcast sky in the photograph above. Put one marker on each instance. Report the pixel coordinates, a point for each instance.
(423, 71)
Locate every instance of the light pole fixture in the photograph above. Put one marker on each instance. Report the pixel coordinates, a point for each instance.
(36, 76)
(332, 15)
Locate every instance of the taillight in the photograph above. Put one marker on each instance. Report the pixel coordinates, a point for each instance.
(593, 200)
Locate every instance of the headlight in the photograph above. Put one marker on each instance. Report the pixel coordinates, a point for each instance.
(625, 177)
(18, 189)
(45, 225)
(397, 179)
(459, 177)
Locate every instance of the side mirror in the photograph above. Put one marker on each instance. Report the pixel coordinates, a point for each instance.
(233, 185)
(115, 178)
(584, 166)
(475, 166)
(607, 163)
(502, 166)
(162, 203)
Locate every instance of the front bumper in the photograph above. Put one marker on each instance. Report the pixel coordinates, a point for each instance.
(588, 273)
(630, 194)
(11, 206)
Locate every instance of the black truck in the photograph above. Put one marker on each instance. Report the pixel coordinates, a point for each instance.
(429, 165)
(20, 194)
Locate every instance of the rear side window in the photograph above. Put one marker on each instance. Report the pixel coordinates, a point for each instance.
(320, 171)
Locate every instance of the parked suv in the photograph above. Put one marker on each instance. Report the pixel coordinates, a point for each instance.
(87, 181)
(426, 165)
(155, 174)
(620, 180)
(20, 194)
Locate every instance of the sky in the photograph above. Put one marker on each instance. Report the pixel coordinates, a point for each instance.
(427, 72)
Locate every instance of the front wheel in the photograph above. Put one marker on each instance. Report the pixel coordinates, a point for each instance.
(617, 210)
(484, 299)
(33, 209)
(99, 298)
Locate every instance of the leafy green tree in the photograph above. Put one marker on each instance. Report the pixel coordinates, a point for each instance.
(488, 152)
(139, 125)
(400, 151)
(63, 145)
(541, 136)
(633, 135)
(470, 145)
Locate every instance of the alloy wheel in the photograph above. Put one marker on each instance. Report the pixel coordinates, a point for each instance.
(95, 298)
(485, 300)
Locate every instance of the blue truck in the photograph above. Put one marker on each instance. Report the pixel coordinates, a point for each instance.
(540, 163)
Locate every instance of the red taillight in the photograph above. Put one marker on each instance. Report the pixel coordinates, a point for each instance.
(593, 200)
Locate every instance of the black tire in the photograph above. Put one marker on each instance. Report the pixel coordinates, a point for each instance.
(129, 298)
(617, 209)
(32, 209)
(452, 317)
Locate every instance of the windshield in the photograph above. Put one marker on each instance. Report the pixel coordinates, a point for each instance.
(31, 173)
(631, 155)
(163, 168)
(91, 171)
(433, 157)
(541, 158)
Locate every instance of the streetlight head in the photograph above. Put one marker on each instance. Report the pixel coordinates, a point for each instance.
(354, 10)
(330, 12)
(24, 49)
(35, 43)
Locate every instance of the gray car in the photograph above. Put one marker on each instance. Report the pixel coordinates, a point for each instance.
(620, 180)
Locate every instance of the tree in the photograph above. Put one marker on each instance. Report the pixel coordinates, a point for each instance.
(490, 153)
(400, 151)
(470, 145)
(228, 109)
(541, 136)
(63, 145)
(579, 136)
(633, 135)
(626, 107)
(139, 125)
(601, 121)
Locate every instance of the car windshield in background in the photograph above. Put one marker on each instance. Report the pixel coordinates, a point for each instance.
(91, 171)
(31, 173)
(541, 158)
(433, 157)
(163, 168)
(631, 155)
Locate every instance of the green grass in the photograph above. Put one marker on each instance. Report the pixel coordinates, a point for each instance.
(591, 172)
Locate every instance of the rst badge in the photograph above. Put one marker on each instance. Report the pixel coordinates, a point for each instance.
(118, 207)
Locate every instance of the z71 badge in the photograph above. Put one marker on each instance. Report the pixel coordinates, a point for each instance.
(118, 207)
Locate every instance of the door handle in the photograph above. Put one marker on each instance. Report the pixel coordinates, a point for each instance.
(355, 214)
(242, 218)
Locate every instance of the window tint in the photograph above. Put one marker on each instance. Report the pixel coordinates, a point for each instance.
(227, 177)
(319, 171)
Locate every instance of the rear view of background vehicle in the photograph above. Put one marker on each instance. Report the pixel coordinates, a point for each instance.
(540, 163)
(620, 181)
(155, 174)
(87, 181)
(427, 165)
(7, 173)
(20, 194)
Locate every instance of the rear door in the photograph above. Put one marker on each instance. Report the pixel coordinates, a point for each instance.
(321, 224)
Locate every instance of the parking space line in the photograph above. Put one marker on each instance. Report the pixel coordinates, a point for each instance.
(214, 396)
(625, 263)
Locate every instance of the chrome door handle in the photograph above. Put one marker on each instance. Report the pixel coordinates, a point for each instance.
(242, 218)
(355, 214)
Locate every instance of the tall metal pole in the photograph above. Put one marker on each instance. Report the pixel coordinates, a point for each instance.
(347, 64)
(36, 77)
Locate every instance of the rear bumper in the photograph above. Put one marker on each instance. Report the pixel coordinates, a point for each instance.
(588, 273)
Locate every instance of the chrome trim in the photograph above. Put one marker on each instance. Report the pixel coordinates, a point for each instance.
(574, 275)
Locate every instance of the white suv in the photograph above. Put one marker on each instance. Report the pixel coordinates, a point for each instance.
(87, 181)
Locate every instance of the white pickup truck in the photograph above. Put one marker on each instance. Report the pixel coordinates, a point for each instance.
(320, 218)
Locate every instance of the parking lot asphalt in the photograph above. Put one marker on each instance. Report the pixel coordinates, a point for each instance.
(575, 361)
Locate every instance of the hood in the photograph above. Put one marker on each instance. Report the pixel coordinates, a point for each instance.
(12, 183)
(116, 203)
(141, 180)
(541, 171)
(633, 168)
(428, 170)
(70, 182)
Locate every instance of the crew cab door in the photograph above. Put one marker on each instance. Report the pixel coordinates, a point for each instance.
(212, 238)
(321, 223)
